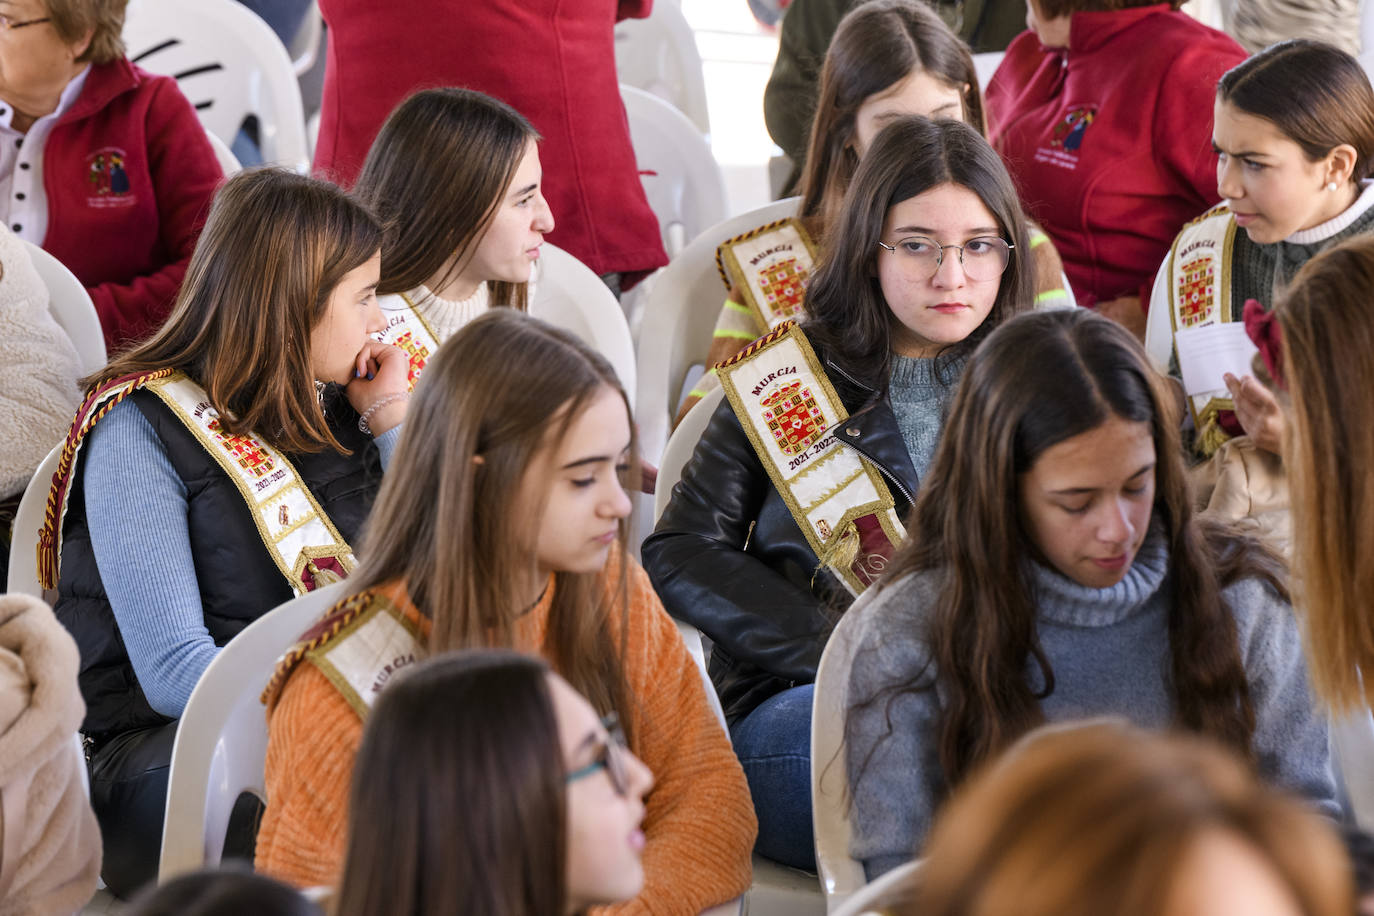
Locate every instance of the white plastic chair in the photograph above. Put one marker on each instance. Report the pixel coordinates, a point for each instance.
(680, 446)
(221, 743)
(228, 162)
(569, 295)
(685, 187)
(71, 305)
(874, 898)
(28, 519)
(680, 313)
(230, 64)
(1352, 746)
(841, 876)
(305, 46)
(659, 55)
(985, 65)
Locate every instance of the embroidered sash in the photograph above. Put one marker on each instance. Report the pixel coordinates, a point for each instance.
(1200, 294)
(839, 500)
(358, 646)
(303, 542)
(770, 266)
(98, 403)
(407, 330)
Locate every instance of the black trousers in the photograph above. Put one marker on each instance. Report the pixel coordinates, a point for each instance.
(129, 795)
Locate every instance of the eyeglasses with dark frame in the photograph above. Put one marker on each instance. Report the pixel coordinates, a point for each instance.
(10, 25)
(610, 756)
(983, 258)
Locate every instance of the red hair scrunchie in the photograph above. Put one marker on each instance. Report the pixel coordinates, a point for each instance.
(1264, 329)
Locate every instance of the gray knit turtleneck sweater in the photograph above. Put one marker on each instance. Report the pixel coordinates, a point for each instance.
(1109, 651)
(920, 390)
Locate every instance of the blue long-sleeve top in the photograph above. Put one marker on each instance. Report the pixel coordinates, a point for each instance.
(137, 534)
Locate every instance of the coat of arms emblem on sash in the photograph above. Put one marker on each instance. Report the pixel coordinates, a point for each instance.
(243, 449)
(1196, 290)
(769, 267)
(793, 417)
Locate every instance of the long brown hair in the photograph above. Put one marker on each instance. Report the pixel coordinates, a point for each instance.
(436, 173)
(1103, 818)
(877, 45)
(458, 801)
(1328, 365)
(1038, 380)
(273, 248)
(496, 395)
(846, 311)
(1316, 94)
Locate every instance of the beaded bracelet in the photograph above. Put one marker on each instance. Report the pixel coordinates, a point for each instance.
(389, 399)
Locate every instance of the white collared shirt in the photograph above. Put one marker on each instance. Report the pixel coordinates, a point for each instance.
(23, 201)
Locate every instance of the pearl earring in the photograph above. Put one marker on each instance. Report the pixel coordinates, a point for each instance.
(1331, 186)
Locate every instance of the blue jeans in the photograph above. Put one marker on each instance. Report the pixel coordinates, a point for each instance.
(773, 744)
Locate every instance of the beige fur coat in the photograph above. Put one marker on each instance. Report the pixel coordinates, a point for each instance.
(49, 838)
(38, 369)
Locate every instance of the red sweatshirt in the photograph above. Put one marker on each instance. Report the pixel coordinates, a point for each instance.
(551, 60)
(128, 233)
(1110, 139)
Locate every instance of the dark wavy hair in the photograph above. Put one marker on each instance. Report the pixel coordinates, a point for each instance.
(1041, 379)
(847, 313)
(877, 45)
(458, 802)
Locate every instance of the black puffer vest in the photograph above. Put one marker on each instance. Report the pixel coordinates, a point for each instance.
(237, 577)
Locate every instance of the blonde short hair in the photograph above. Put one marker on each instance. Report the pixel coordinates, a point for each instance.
(104, 19)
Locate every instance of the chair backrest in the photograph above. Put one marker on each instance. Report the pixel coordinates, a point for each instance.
(876, 897)
(569, 295)
(659, 55)
(840, 875)
(221, 742)
(1352, 745)
(680, 312)
(71, 305)
(305, 46)
(685, 187)
(680, 446)
(28, 519)
(228, 162)
(230, 64)
(985, 65)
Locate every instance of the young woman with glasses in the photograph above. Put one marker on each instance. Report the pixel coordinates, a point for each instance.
(926, 257)
(485, 784)
(1054, 569)
(505, 528)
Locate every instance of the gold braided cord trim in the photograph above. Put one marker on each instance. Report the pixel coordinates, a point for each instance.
(98, 403)
(1219, 208)
(336, 618)
(1210, 436)
(758, 344)
(757, 230)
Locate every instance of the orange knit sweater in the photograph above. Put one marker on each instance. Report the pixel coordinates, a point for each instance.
(699, 820)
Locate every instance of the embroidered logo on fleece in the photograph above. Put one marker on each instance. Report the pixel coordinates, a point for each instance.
(1068, 133)
(1067, 137)
(107, 179)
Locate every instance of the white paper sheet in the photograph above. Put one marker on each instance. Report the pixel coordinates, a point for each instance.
(1205, 354)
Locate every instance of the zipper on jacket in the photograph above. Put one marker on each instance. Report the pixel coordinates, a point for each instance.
(879, 465)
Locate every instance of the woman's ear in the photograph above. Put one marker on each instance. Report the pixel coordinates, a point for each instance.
(79, 47)
(1340, 164)
(478, 460)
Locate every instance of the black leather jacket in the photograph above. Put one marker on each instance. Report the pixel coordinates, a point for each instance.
(728, 557)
